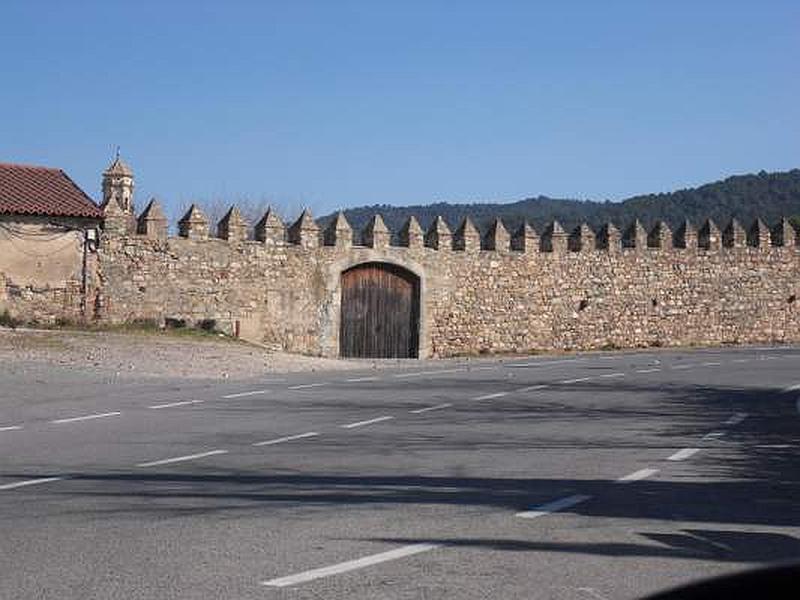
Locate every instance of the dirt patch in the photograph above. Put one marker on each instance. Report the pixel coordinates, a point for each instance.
(156, 355)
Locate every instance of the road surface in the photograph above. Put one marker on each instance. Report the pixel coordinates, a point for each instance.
(604, 475)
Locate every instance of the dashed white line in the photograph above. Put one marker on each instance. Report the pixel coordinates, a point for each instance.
(367, 422)
(419, 411)
(713, 434)
(655, 370)
(11, 428)
(680, 367)
(710, 364)
(305, 386)
(684, 454)
(610, 375)
(741, 360)
(637, 475)
(350, 565)
(287, 438)
(491, 396)
(578, 380)
(27, 482)
(87, 417)
(545, 364)
(177, 459)
(243, 394)
(531, 388)
(773, 446)
(423, 373)
(736, 419)
(173, 404)
(360, 379)
(554, 506)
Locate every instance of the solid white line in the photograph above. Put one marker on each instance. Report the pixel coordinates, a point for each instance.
(11, 428)
(613, 375)
(288, 438)
(369, 422)
(578, 380)
(167, 461)
(350, 565)
(736, 419)
(243, 394)
(531, 388)
(774, 446)
(422, 373)
(171, 404)
(359, 379)
(648, 370)
(684, 454)
(491, 396)
(27, 482)
(88, 417)
(305, 386)
(637, 475)
(554, 506)
(419, 411)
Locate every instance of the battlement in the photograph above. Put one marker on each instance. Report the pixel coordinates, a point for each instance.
(306, 233)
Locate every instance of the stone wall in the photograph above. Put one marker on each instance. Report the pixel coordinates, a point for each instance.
(575, 290)
(42, 268)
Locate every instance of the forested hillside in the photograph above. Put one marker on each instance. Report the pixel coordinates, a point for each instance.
(745, 197)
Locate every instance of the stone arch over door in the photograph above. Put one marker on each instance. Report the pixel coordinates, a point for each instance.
(380, 311)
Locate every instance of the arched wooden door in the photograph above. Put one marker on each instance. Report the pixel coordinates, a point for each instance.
(379, 313)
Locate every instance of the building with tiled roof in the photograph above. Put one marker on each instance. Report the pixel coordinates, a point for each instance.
(48, 230)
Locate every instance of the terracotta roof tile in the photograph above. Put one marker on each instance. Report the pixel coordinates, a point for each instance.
(29, 190)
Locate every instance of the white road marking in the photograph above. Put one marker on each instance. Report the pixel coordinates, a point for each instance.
(684, 454)
(368, 422)
(423, 373)
(11, 428)
(87, 417)
(774, 446)
(792, 388)
(243, 394)
(350, 565)
(545, 364)
(637, 475)
(288, 438)
(608, 375)
(736, 419)
(172, 404)
(680, 367)
(490, 368)
(305, 386)
(648, 370)
(531, 388)
(27, 482)
(491, 396)
(741, 360)
(419, 411)
(176, 459)
(713, 434)
(578, 380)
(554, 506)
(360, 379)
(710, 364)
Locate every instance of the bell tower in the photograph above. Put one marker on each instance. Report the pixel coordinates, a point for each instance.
(118, 185)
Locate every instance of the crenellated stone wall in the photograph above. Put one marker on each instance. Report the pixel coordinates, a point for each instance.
(500, 292)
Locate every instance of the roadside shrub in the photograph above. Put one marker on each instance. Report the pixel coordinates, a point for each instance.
(6, 320)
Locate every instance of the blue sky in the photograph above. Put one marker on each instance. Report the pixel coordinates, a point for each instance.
(336, 104)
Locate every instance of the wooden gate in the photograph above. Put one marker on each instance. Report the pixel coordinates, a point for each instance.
(380, 312)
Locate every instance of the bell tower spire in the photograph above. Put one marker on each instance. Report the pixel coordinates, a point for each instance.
(118, 185)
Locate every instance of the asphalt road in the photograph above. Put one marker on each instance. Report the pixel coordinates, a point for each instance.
(579, 477)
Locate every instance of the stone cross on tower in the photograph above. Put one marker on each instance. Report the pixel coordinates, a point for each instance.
(118, 185)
